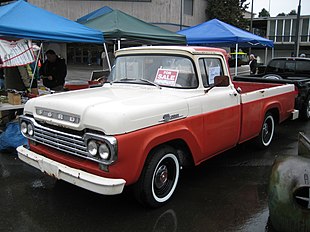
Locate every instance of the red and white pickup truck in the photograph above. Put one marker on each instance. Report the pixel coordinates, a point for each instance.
(164, 108)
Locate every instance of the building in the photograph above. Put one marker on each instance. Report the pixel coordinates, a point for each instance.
(169, 14)
(282, 30)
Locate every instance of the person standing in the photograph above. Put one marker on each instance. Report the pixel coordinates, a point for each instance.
(53, 71)
(1, 75)
(253, 64)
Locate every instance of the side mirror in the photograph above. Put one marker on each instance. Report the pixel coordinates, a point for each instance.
(221, 81)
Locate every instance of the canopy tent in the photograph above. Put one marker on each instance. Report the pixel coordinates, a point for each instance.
(24, 20)
(117, 25)
(94, 14)
(218, 33)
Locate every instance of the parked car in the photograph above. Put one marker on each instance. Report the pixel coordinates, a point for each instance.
(243, 59)
(289, 68)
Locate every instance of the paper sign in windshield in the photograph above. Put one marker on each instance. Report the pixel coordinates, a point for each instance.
(213, 72)
(166, 77)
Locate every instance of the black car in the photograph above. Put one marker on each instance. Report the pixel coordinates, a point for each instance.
(291, 68)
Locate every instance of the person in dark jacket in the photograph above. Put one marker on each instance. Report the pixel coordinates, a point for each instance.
(253, 64)
(53, 71)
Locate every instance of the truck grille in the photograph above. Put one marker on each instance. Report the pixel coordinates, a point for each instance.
(65, 142)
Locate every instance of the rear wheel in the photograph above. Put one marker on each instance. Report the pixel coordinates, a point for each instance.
(159, 177)
(305, 111)
(266, 134)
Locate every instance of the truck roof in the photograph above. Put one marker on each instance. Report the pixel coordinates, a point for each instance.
(190, 49)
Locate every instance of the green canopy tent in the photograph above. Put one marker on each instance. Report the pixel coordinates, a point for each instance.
(117, 25)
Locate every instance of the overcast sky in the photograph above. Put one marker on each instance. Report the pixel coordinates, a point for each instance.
(279, 6)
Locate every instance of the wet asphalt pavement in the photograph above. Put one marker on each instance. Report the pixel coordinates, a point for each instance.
(226, 193)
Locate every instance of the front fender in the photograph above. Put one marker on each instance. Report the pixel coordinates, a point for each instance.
(135, 147)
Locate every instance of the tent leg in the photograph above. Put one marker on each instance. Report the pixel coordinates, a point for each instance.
(118, 44)
(266, 55)
(236, 62)
(107, 56)
(36, 64)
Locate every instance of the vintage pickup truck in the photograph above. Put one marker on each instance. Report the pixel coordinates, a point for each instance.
(165, 108)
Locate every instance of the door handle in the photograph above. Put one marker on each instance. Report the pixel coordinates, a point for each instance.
(233, 94)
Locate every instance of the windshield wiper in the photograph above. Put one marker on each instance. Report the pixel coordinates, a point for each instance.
(122, 80)
(151, 82)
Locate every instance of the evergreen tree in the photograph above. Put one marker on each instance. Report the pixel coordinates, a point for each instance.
(228, 11)
(293, 12)
(263, 13)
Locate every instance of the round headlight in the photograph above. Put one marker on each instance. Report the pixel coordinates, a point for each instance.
(92, 148)
(104, 151)
(30, 129)
(24, 128)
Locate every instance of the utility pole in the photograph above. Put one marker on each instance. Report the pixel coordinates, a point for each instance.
(251, 25)
(181, 14)
(296, 47)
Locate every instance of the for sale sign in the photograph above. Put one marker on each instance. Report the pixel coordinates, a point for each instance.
(166, 77)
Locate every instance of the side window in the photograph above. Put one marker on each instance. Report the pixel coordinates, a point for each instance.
(289, 66)
(210, 68)
(275, 66)
(303, 67)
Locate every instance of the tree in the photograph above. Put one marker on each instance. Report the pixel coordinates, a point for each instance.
(293, 12)
(263, 13)
(229, 11)
(281, 14)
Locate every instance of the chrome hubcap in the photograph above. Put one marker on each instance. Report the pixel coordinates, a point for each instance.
(161, 176)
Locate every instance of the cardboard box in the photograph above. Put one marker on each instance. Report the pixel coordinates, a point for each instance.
(14, 99)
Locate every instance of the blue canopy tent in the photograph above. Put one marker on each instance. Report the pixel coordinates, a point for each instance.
(24, 20)
(218, 33)
(94, 14)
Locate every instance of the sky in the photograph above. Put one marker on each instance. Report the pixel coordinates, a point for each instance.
(279, 6)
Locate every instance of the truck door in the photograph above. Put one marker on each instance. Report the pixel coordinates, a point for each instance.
(221, 109)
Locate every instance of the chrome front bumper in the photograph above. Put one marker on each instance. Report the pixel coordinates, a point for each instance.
(97, 184)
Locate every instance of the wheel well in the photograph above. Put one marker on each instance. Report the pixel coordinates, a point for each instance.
(275, 114)
(183, 151)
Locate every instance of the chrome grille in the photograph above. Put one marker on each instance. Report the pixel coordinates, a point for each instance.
(69, 142)
(65, 142)
(62, 141)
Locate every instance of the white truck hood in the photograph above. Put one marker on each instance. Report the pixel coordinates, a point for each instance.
(115, 109)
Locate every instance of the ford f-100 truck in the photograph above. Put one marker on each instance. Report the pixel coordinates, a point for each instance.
(164, 108)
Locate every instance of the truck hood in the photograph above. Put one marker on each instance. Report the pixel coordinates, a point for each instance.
(113, 109)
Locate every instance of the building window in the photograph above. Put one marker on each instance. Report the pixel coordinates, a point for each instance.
(279, 30)
(272, 30)
(188, 7)
(287, 30)
(305, 30)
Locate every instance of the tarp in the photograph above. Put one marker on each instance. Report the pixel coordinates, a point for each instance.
(24, 20)
(94, 14)
(117, 25)
(216, 32)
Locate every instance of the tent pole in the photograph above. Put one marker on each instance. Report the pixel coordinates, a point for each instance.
(107, 56)
(236, 62)
(36, 64)
(272, 53)
(266, 54)
(118, 44)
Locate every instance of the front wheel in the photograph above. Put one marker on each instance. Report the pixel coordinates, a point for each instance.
(159, 177)
(267, 131)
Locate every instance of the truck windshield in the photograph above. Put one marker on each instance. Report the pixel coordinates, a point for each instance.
(159, 70)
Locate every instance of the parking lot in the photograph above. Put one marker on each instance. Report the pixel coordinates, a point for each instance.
(226, 193)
